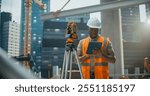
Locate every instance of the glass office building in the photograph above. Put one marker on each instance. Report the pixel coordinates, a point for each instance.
(36, 29)
(5, 16)
(0, 16)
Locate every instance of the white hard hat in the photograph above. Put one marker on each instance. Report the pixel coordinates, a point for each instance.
(94, 23)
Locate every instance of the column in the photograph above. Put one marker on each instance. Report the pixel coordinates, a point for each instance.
(112, 28)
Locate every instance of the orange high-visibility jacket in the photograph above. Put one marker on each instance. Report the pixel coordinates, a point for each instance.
(101, 70)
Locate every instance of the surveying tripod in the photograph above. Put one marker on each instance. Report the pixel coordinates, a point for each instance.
(69, 52)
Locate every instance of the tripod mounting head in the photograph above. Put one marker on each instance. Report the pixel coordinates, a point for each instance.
(70, 46)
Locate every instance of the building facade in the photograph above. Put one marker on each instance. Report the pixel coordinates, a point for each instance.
(0, 5)
(5, 16)
(0, 22)
(11, 38)
(134, 49)
(135, 40)
(36, 29)
(148, 11)
(130, 21)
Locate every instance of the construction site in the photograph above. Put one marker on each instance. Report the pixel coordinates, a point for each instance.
(44, 44)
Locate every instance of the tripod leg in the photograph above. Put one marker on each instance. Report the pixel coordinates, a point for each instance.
(78, 64)
(64, 63)
(70, 64)
(67, 62)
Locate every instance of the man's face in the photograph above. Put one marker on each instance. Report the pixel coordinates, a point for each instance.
(147, 60)
(93, 32)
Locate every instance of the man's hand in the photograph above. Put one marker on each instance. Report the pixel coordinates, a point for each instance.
(99, 52)
(84, 57)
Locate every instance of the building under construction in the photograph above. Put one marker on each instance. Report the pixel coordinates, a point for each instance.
(42, 46)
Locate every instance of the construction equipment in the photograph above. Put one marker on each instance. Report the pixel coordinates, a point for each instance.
(27, 28)
(40, 4)
(70, 51)
(56, 13)
(71, 33)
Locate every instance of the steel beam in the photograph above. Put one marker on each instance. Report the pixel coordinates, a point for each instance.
(95, 8)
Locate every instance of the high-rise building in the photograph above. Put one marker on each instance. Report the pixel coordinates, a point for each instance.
(0, 5)
(5, 16)
(130, 21)
(0, 22)
(0, 29)
(134, 48)
(11, 38)
(148, 10)
(36, 29)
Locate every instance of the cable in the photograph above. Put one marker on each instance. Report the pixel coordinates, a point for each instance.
(56, 13)
(65, 5)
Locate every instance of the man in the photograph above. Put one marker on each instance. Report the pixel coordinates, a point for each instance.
(95, 66)
(146, 74)
(147, 64)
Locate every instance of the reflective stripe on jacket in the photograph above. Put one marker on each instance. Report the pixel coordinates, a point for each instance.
(100, 63)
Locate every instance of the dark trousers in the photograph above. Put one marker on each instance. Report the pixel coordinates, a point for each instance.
(92, 76)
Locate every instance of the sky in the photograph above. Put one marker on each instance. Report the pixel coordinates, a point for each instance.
(14, 6)
(57, 4)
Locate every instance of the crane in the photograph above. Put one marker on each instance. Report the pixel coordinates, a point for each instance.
(27, 29)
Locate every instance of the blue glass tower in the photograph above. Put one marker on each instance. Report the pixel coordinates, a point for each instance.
(4, 17)
(36, 29)
(0, 22)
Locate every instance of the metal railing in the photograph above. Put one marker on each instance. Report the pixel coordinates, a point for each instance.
(11, 69)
